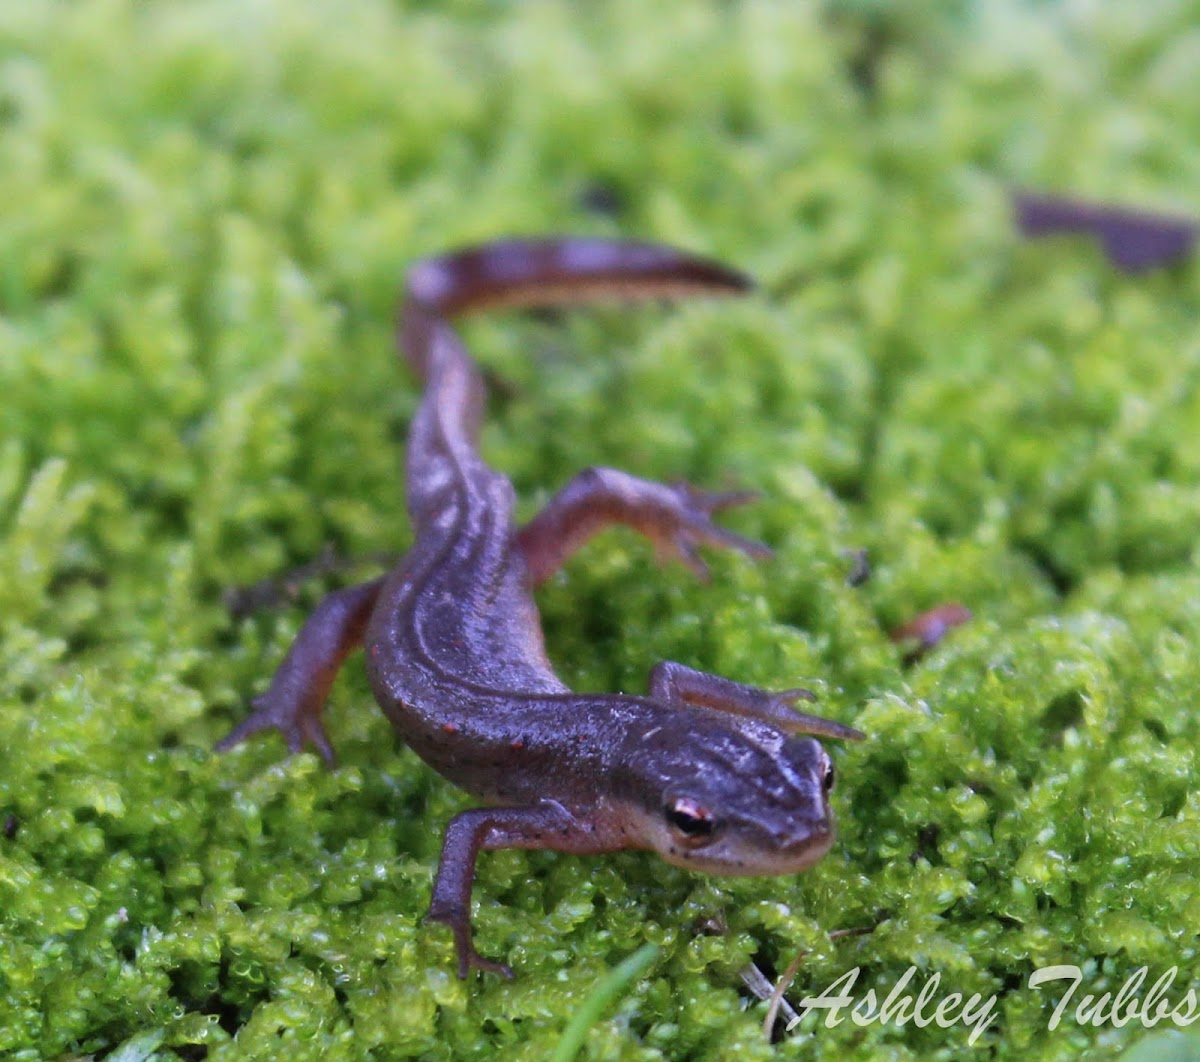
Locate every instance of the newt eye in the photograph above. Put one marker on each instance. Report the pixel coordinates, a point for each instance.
(691, 822)
(829, 777)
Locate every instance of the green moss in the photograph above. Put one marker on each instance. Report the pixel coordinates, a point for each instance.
(207, 211)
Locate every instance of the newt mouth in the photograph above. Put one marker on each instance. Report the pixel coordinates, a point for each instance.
(809, 847)
(801, 850)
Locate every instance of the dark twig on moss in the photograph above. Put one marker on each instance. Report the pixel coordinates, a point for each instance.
(1133, 240)
(777, 1001)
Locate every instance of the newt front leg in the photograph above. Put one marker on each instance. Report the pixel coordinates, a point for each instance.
(676, 518)
(678, 684)
(295, 700)
(544, 825)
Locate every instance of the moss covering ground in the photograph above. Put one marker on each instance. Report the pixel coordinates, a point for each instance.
(207, 208)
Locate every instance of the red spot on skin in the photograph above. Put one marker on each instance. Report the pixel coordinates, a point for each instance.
(449, 728)
(518, 743)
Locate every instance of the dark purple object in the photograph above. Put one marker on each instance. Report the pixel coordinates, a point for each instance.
(1134, 240)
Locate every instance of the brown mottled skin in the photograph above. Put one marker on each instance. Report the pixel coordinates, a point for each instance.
(711, 774)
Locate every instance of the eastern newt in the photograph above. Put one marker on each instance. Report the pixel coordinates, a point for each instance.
(711, 774)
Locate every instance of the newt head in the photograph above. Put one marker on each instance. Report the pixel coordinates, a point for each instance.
(731, 797)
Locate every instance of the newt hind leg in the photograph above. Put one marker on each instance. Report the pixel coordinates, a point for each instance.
(296, 697)
(677, 518)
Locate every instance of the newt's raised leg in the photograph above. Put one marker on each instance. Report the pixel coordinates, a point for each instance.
(677, 518)
(296, 698)
(681, 685)
(547, 825)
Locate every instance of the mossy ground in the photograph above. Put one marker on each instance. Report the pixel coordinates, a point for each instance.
(207, 209)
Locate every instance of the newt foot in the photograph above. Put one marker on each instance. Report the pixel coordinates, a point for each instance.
(299, 728)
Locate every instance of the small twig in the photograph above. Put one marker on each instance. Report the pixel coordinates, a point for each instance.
(860, 570)
(1133, 240)
(789, 975)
